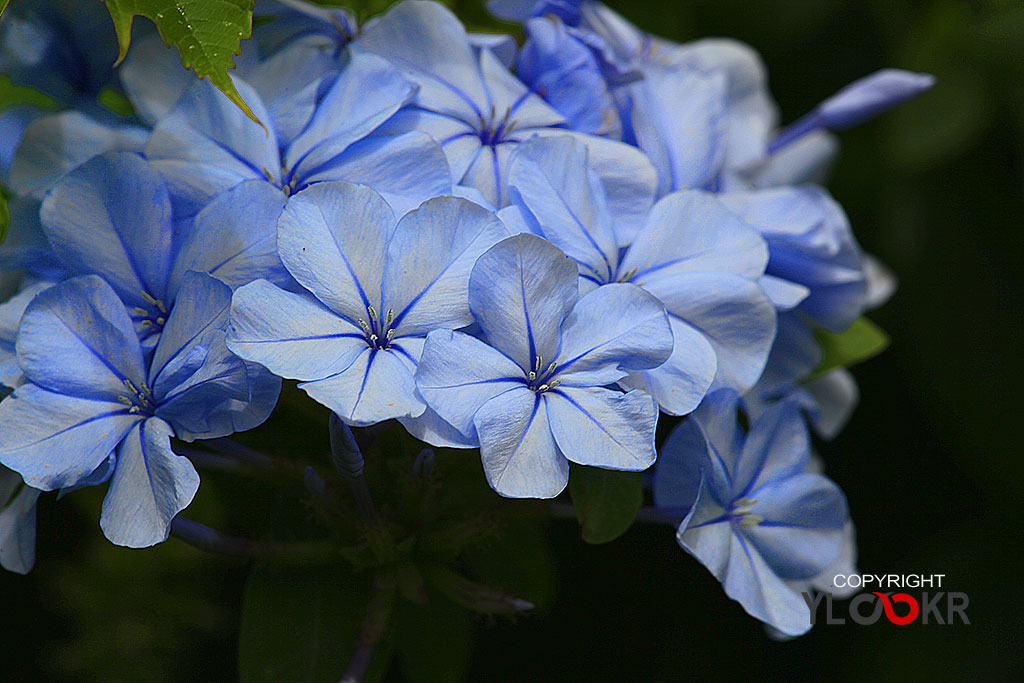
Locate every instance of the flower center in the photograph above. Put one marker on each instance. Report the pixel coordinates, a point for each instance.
(138, 400)
(539, 381)
(742, 514)
(154, 318)
(492, 130)
(378, 335)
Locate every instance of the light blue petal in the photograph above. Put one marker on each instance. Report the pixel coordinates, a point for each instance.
(750, 113)
(54, 440)
(150, 486)
(377, 386)
(459, 139)
(152, 77)
(235, 238)
(436, 431)
(785, 295)
(18, 530)
(520, 291)
(603, 428)
(406, 169)
(502, 45)
(681, 381)
(429, 260)
(53, 145)
(519, 453)
(458, 373)
(290, 81)
(290, 334)
(550, 177)
(705, 535)
(615, 327)
(11, 312)
(717, 416)
(677, 121)
(794, 355)
(777, 447)
(208, 145)
(751, 582)
(193, 372)
(693, 231)
(333, 239)
(807, 160)
(486, 173)
(836, 395)
(732, 313)
(677, 475)
(76, 338)
(802, 531)
(810, 243)
(428, 43)
(566, 73)
(112, 217)
(366, 93)
(628, 178)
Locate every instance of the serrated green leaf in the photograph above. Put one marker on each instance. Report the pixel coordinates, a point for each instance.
(861, 341)
(206, 32)
(606, 501)
(5, 217)
(299, 624)
(12, 94)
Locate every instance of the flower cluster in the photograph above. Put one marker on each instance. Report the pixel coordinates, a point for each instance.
(532, 250)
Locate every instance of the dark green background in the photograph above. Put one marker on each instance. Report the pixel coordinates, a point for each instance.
(930, 462)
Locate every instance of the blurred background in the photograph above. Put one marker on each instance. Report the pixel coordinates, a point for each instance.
(931, 461)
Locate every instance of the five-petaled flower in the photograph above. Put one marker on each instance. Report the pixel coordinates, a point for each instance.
(536, 395)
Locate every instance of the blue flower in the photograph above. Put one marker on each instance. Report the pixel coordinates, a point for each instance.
(698, 258)
(17, 523)
(206, 145)
(95, 406)
(535, 396)
(756, 515)
(476, 109)
(380, 285)
(113, 217)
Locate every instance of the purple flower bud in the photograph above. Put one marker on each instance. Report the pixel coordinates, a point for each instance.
(856, 103)
(870, 96)
(348, 459)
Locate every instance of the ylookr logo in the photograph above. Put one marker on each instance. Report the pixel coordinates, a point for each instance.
(940, 608)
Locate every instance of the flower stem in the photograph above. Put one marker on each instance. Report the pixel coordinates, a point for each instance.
(378, 614)
(203, 537)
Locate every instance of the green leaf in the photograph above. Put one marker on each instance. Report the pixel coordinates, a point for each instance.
(299, 624)
(606, 501)
(206, 32)
(3, 6)
(5, 217)
(115, 102)
(861, 341)
(12, 94)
